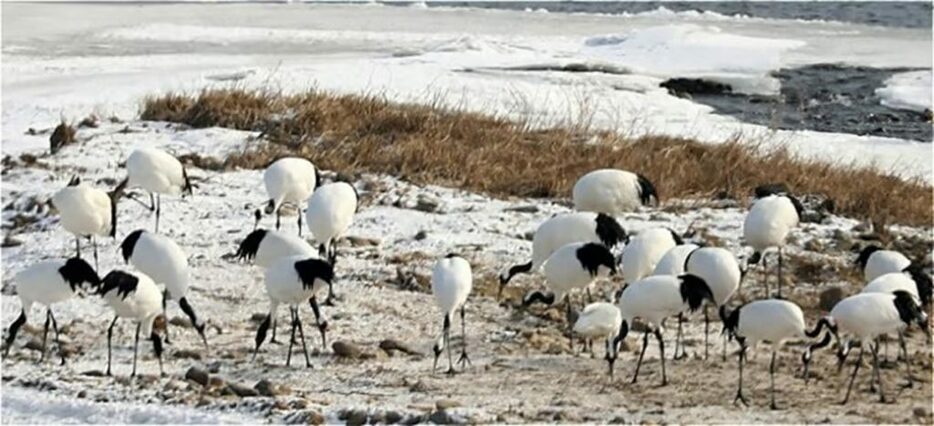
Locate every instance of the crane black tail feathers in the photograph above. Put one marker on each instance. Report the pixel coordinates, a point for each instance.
(754, 259)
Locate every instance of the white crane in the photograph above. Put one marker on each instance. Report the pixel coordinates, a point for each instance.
(163, 260)
(915, 282)
(767, 224)
(48, 283)
(655, 298)
(601, 320)
(266, 247)
(573, 266)
(133, 295)
(156, 172)
(866, 316)
(330, 213)
(773, 321)
(672, 263)
(451, 282)
(289, 180)
(293, 281)
(564, 229)
(87, 212)
(874, 261)
(643, 252)
(612, 192)
(720, 270)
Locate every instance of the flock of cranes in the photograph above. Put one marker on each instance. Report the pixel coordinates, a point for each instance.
(665, 276)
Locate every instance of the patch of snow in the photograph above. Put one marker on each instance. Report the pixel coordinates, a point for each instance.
(909, 90)
(28, 406)
(689, 50)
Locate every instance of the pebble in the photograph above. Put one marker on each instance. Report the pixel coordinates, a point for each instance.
(414, 419)
(355, 417)
(346, 349)
(421, 235)
(531, 208)
(440, 417)
(187, 354)
(391, 417)
(34, 344)
(242, 390)
(427, 203)
(9, 241)
(197, 375)
(267, 388)
(315, 418)
(180, 321)
(922, 412)
(393, 345)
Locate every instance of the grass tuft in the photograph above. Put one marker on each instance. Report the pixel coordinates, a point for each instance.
(432, 145)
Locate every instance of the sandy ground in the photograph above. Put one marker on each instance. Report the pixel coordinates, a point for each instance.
(522, 370)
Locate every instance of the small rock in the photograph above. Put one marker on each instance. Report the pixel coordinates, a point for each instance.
(830, 297)
(9, 241)
(93, 373)
(346, 349)
(83, 394)
(923, 412)
(258, 317)
(63, 134)
(243, 391)
(315, 418)
(197, 375)
(187, 354)
(34, 344)
(420, 386)
(440, 417)
(391, 417)
(392, 345)
(180, 322)
(446, 404)
(356, 418)
(421, 235)
(414, 419)
(427, 203)
(531, 208)
(267, 388)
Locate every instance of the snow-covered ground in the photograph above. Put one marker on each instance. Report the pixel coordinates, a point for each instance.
(910, 90)
(66, 60)
(521, 364)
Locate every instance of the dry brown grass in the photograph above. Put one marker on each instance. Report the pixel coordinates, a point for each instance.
(426, 144)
